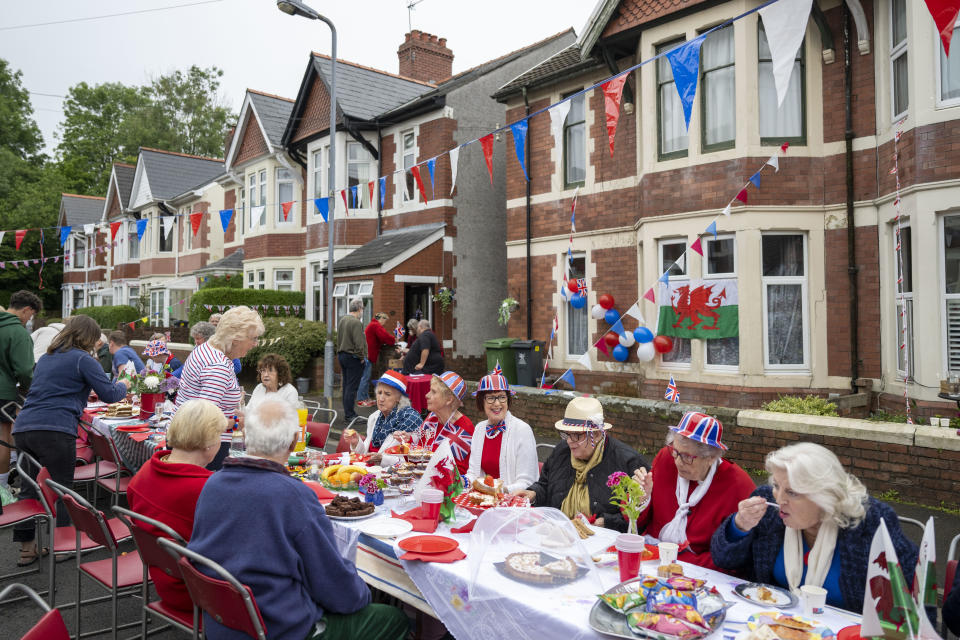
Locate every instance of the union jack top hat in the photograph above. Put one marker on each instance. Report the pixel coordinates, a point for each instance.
(393, 379)
(702, 428)
(455, 383)
(493, 381)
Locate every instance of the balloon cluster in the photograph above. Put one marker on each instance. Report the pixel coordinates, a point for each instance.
(578, 300)
(648, 345)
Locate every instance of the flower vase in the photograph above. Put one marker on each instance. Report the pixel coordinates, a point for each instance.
(148, 404)
(376, 497)
(632, 525)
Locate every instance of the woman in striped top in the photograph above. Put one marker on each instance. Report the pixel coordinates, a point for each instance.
(208, 372)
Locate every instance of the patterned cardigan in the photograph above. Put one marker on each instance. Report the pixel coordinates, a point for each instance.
(756, 553)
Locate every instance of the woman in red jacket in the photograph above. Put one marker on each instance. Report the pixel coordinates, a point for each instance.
(167, 487)
(692, 488)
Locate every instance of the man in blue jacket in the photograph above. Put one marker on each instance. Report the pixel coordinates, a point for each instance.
(268, 529)
(123, 353)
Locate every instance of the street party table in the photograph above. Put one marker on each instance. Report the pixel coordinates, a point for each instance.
(519, 611)
(417, 387)
(134, 445)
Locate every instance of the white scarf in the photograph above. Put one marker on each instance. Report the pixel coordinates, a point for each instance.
(819, 561)
(676, 529)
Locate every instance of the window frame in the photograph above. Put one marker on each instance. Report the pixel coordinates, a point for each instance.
(293, 197)
(800, 140)
(898, 49)
(252, 181)
(133, 242)
(363, 191)
(287, 284)
(680, 153)
(187, 228)
(907, 302)
(347, 292)
(262, 223)
(685, 277)
(261, 279)
(569, 308)
(73, 299)
(408, 181)
(701, 90)
(938, 55)
(567, 125)
(944, 297)
(163, 238)
(241, 209)
(78, 257)
(707, 241)
(805, 368)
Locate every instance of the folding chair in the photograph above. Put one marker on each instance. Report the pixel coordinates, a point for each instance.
(950, 577)
(319, 431)
(50, 626)
(225, 599)
(914, 524)
(118, 478)
(548, 447)
(92, 473)
(116, 573)
(153, 556)
(26, 511)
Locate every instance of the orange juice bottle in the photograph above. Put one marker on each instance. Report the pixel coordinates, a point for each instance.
(302, 418)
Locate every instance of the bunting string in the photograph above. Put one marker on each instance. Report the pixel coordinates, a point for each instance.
(904, 316)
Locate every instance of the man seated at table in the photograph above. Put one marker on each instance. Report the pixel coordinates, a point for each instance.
(267, 529)
(122, 353)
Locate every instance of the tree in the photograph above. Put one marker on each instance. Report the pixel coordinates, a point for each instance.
(18, 132)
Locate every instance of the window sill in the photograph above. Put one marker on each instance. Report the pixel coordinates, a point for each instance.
(673, 155)
(776, 142)
(720, 146)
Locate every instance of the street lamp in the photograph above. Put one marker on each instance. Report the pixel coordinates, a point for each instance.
(298, 8)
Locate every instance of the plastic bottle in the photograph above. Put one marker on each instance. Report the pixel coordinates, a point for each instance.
(302, 417)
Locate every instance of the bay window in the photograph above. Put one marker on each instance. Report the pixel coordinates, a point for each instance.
(718, 98)
(786, 122)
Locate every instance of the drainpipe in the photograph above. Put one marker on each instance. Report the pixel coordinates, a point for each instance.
(526, 155)
(379, 173)
(852, 268)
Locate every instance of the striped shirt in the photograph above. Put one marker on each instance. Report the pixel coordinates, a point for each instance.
(208, 374)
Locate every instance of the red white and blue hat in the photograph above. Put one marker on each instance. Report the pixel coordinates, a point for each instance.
(393, 379)
(455, 383)
(581, 415)
(156, 348)
(494, 381)
(702, 428)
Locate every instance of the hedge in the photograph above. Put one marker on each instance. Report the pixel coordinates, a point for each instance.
(110, 317)
(295, 339)
(229, 297)
(223, 282)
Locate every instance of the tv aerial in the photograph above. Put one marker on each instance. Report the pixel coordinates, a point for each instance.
(411, 5)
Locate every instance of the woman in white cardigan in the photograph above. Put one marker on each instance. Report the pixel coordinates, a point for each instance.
(503, 445)
(275, 382)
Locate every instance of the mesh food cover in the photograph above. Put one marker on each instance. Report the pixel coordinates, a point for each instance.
(533, 550)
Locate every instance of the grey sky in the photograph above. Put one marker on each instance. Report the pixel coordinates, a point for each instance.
(255, 44)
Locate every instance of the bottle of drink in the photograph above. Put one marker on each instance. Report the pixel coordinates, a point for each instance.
(302, 417)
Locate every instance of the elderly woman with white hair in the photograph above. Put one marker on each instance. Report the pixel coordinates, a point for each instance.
(691, 487)
(303, 584)
(208, 372)
(817, 533)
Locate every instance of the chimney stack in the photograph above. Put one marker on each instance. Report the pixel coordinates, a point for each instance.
(425, 57)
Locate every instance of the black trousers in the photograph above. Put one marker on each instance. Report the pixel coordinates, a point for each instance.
(352, 369)
(57, 451)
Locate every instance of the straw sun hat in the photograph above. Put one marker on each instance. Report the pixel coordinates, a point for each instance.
(583, 414)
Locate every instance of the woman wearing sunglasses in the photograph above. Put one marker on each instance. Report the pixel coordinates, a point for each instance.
(692, 488)
(574, 477)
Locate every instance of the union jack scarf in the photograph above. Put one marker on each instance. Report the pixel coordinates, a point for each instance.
(494, 430)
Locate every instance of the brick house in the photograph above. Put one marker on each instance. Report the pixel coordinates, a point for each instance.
(395, 251)
(806, 325)
(83, 272)
(123, 260)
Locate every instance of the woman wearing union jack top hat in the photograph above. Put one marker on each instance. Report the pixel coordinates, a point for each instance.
(692, 488)
(504, 446)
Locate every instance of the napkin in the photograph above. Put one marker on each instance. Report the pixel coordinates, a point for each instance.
(418, 519)
(467, 528)
(139, 437)
(322, 492)
(450, 556)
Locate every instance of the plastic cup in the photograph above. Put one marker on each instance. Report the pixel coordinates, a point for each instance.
(668, 552)
(431, 499)
(814, 599)
(629, 554)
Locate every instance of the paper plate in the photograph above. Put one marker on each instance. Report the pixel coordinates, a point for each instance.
(428, 544)
(817, 631)
(749, 591)
(386, 527)
(849, 633)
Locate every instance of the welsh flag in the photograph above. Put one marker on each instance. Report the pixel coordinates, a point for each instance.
(888, 609)
(442, 473)
(703, 309)
(924, 589)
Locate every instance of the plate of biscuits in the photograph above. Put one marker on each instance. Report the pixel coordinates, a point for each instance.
(766, 595)
(344, 508)
(786, 627)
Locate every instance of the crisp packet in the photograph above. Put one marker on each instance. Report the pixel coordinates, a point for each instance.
(664, 624)
(684, 612)
(683, 583)
(669, 596)
(711, 604)
(624, 602)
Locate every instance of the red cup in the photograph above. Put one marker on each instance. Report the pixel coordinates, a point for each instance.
(629, 553)
(430, 500)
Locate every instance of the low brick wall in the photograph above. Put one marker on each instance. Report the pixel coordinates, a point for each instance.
(915, 460)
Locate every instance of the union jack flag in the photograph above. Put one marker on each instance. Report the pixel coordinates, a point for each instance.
(672, 394)
(460, 440)
(497, 371)
(582, 285)
(398, 332)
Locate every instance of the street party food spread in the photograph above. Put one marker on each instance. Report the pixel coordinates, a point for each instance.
(536, 567)
(341, 476)
(121, 410)
(344, 507)
(476, 502)
(786, 627)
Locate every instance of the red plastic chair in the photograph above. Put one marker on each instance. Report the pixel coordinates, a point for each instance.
(226, 600)
(152, 555)
(116, 573)
(117, 481)
(94, 471)
(50, 626)
(26, 511)
(318, 433)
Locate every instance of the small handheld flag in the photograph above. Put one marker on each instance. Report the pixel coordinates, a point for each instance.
(672, 394)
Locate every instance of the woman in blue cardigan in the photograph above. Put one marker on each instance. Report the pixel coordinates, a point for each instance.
(821, 533)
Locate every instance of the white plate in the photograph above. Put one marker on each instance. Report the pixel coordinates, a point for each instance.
(363, 517)
(386, 527)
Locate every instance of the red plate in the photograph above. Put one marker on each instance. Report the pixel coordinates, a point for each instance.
(428, 544)
(133, 428)
(849, 633)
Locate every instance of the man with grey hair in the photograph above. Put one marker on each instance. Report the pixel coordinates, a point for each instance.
(425, 354)
(304, 586)
(352, 354)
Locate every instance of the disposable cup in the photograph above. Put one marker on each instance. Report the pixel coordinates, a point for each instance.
(629, 553)
(668, 552)
(431, 499)
(814, 599)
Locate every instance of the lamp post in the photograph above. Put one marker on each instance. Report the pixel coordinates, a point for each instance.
(298, 8)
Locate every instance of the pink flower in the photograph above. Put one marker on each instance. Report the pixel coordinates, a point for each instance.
(614, 478)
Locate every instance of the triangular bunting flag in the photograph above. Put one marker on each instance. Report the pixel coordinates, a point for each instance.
(144, 319)
(617, 327)
(195, 219)
(19, 235)
(383, 190)
(141, 228)
(226, 215)
(712, 229)
(285, 207)
(343, 194)
(944, 13)
(685, 64)
(755, 179)
(695, 246)
(64, 234)
(454, 161)
(612, 93)
(774, 162)
(132, 325)
(166, 222)
(372, 185)
(567, 376)
(486, 144)
(726, 211)
(432, 168)
(783, 147)
(415, 171)
(742, 196)
(584, 361)
(665, 277)
(785, 23)
(634, 312)
(649, 295)
(602, 345)
(519, 130)
(558, 117)
(353, 196)
(114, 227)
(88, 229)
(323, 207)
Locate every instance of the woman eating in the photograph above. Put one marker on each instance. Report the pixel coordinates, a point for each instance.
(393, 415)
(167, 487)
(817, 533)
(445, 422)
(275, 381)
(208, 373)
(574, 477)
(46, 427)
(504, 446)
(691, 487)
